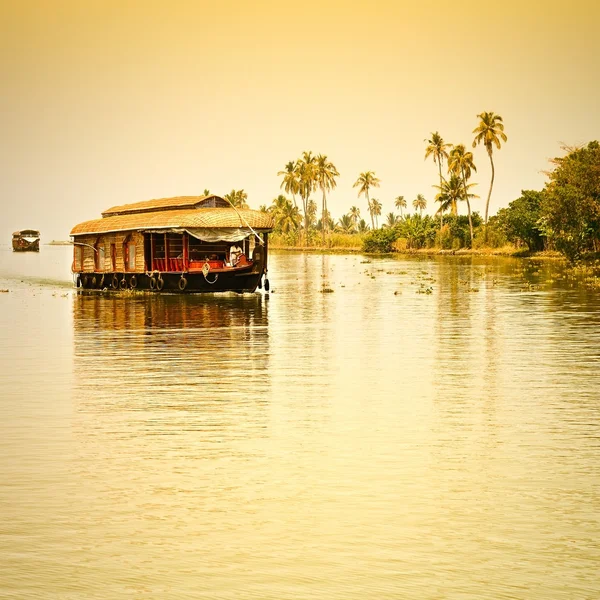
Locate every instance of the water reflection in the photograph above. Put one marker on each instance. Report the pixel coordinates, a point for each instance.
(378, 441)
(171, 365)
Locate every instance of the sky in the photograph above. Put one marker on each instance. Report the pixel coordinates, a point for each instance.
(106, 102)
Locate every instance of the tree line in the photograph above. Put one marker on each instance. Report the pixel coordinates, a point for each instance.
(564, 216)
(311, 173)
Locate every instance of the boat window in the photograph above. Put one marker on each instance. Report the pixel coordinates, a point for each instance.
(113, 256)
(159, 246)
(200, 251)
(175, 244)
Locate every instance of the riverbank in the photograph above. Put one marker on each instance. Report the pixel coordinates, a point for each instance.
(509, 251)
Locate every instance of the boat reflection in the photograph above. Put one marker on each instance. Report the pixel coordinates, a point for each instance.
(171, 365)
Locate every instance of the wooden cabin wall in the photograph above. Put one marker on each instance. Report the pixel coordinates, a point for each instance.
(89, 265)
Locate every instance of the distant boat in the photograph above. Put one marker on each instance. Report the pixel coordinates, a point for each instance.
(182, 244)
(26, 240)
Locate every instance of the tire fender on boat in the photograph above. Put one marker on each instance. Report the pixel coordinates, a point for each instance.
(182, 283)
(133, 282)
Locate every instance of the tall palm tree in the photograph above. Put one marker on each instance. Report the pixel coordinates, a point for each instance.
(290, 180)
(354, 214)
(489, 132)
(420, 203)
(305, 170)
(325, 174)
(460, 163)
(364, 183)
(400, 203)
(438, 150)
(376, 208)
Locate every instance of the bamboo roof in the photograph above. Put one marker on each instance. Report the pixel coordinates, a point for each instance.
(166, 204)
(167, 218)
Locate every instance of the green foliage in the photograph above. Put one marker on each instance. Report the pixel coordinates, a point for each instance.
(456, 228)
(418, 231)
(570, 204)
(521, 220)
(380, 240)
(287, 217)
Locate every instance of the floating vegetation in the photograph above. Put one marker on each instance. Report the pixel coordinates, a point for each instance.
(425, 290)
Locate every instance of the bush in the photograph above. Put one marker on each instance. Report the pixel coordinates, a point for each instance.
(380, 240)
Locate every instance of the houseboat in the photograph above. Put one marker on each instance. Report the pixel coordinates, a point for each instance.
(184, 244)
(26, 240)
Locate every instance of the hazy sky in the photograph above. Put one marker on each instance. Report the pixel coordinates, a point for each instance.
(115, 101)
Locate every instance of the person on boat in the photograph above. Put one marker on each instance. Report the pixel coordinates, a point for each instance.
(234, 255)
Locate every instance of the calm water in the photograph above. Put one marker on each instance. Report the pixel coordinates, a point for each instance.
(373, 442)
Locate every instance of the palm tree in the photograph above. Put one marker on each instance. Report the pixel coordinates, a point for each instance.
(362, 226)
(289, 218)
(489, 132)
(311, 214)
(354, 214)
(305, 171)
(376, 208)
(400, 203)
(437, 149)
(206, 192)
(420, 203)
(346, 224)
(460, 163)
(290, 180)
(238, 198)
(366, 181)
(450, 193)
(392, 220)
(325, 222)
(325, 174)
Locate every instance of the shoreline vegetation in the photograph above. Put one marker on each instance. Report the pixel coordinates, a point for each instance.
(562, 220)
(507, 251)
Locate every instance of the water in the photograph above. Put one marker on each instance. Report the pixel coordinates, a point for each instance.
(372, 442)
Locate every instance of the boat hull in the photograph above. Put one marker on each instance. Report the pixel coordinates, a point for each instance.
(180, 283)
(21, 245)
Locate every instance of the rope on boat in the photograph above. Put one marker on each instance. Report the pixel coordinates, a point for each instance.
(206, 271)
(244, 221)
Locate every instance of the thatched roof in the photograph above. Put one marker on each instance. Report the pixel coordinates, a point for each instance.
(167, 204)
(27, 232)
(165, 218)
